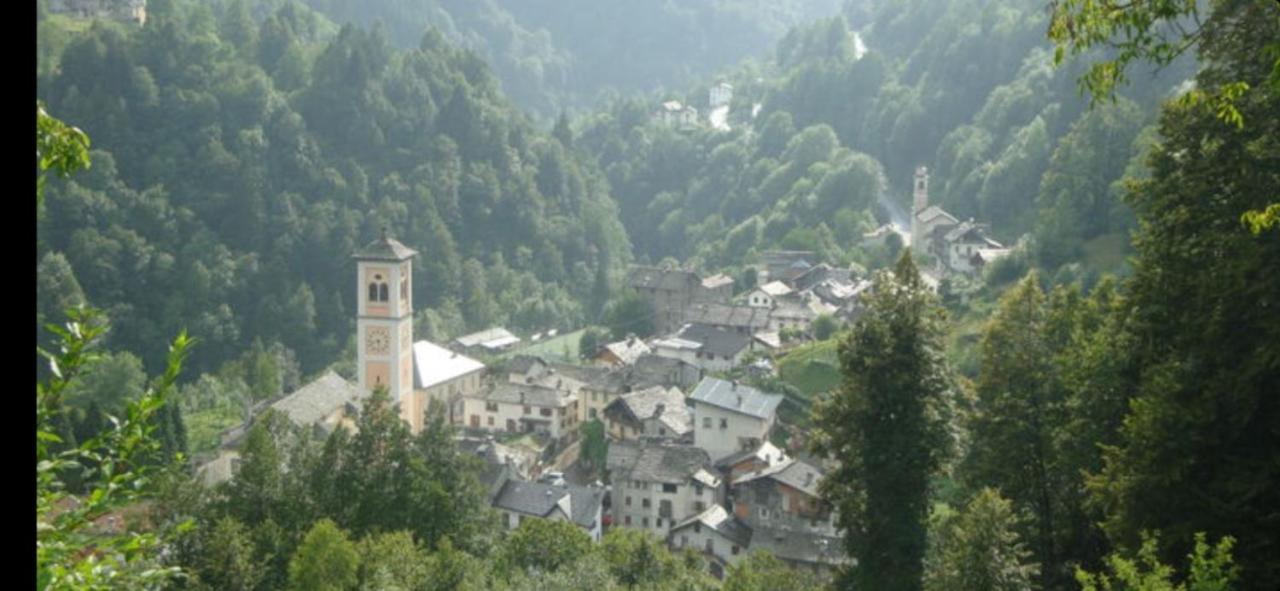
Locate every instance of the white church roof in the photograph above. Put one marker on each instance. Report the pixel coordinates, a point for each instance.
(433, 364)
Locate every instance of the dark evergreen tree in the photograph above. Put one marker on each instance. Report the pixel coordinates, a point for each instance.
(888, 426)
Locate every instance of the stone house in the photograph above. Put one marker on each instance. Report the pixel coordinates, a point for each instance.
(656, 485)
(716, 534)
(523, 408)
(655, 412)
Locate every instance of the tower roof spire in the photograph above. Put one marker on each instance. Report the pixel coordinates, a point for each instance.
(385, 248)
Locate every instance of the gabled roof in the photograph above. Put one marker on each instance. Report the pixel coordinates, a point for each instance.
(794, 473)
(775, 289)
(317, 400)
(384, 249)
(766, 452)
(736, 397)
(726, 315)
(714, 339)
(644, 405)
(769, 339)
(433, 364)
(718, 280)
(722, 522)
(793, 311)
(579, 503)
(928, 214)
(799, 546)
(529, 394)
(657, 462)
(627, 350)
(523, 364)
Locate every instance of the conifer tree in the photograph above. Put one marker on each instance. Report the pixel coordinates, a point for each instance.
(888, 427)
(1019, 409)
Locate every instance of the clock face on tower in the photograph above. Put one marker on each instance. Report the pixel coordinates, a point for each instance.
(377, 340)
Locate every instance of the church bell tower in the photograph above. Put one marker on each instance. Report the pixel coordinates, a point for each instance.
(384, 325)
(919, 202)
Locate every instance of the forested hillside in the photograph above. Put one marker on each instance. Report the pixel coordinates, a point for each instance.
(555, 55)
(969, 91)
(237, 164)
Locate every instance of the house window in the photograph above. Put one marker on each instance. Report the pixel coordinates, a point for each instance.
(527, 410)
(735, 550)
(628, 501)
(491, 420)
(711, 546)
(697, 527)
(724, 423)
(382, 292)
(684, 541)
(668, 488)
(645, 503)
(546, 412)
(627, 520)
(491, 406)
(659, 522)
(644, 521)
(698, 506)
(706, 422)
(373, 292)
(697, 488)
(591, 413)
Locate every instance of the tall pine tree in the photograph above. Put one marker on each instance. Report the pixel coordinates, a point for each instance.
(888, 427)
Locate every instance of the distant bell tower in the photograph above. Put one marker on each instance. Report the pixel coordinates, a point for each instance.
(919, 201)
(384, 321)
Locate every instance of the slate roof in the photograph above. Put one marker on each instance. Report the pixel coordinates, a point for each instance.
(727, 315)
(433, 364)
(530, 394)
(718, 280)
(775, 288)
(928, 214)
(715, 340)
(643, 276)
(580, 503)
(655, 462)
(643, 405)
(971, 233)
(522, 364)
(769, 339)
(722, 522)
(794, 473)
(799, 546)
(384, 249)
(317, 400)
(627, 350)
(766, 452)
(793, 312)
(736, 397)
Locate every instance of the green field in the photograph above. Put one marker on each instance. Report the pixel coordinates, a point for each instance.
(559, 348)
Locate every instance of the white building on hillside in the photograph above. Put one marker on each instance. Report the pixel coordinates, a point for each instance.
(729, 417)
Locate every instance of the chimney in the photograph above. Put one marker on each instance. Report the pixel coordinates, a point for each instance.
(657, 410)
(739, 400)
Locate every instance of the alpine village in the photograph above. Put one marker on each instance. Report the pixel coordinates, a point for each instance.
(740, 295)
